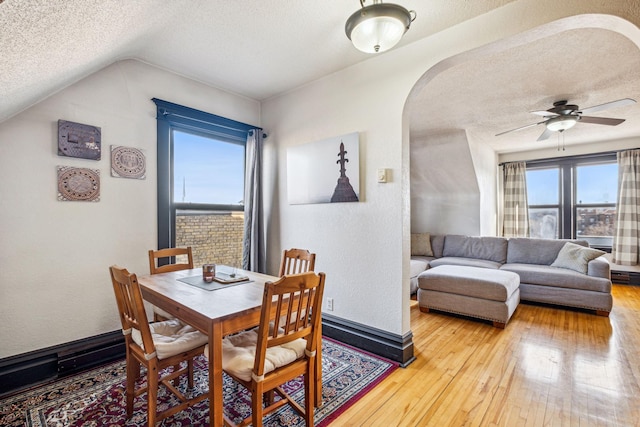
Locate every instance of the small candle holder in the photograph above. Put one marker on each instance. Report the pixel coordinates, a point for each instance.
(208, 272)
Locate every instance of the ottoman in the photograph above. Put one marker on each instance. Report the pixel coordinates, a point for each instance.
(482, 293)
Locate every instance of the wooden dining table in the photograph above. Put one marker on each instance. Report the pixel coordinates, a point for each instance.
(216, 313)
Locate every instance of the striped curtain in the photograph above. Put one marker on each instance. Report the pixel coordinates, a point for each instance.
(515, 222)
(626, 237)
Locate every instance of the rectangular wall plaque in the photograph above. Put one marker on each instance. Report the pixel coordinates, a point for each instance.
(78, 140)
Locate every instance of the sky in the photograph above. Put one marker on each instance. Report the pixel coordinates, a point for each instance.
(212, 171)
(595, 184)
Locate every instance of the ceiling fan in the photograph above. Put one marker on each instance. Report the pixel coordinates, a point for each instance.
(563, 116)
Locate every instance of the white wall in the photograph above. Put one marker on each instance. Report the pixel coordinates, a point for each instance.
(485, 163)
(445, 192)
(54, 257)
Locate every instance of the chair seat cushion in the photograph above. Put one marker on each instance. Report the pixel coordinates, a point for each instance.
(172, 337)
(239, 351)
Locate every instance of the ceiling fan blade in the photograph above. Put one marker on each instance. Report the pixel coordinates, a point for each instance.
(545, 135)
(544, 113)
(612, 104)
(601, 120)
(520, 128)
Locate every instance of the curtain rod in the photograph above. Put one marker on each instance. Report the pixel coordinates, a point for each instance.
(166, 108)
(578, 156)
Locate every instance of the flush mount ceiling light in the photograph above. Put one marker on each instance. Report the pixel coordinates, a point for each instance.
(378, 27)
(562, 123)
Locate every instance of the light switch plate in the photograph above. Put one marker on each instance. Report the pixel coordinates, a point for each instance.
(382, 175)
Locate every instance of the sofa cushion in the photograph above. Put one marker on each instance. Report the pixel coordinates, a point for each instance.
(421, 244)
(524, 250)
(545, 275)
(575, 257)
(599, 267)
(418, 264)
(468, 262)
(437, 244)
(486, 248)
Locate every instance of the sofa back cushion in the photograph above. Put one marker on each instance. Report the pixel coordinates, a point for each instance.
(524, 250)
(488, 248)
(437, 244)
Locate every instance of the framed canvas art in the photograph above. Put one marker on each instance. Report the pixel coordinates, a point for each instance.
(128, 162)
(326, 171)
(78, 140)
(78, 184)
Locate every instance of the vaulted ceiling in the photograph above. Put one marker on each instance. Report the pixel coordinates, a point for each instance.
(263, 48)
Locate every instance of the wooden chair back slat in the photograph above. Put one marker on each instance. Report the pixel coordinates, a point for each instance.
(154, 256)
(296, 261)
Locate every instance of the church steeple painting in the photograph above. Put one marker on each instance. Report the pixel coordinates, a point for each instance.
(343, 191)
(326, 171)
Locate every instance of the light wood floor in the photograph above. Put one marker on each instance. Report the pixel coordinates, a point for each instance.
(548, 367)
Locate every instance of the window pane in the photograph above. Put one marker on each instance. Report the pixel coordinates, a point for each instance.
(597, 184)
(543, 186)
(207, 170)
(214, 237)
(543, 223)
(596, 225)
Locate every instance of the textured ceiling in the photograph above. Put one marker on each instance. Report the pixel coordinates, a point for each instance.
(497, 92)
(250, 47)
(263, 48)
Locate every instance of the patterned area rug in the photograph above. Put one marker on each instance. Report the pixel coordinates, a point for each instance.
(96, 397)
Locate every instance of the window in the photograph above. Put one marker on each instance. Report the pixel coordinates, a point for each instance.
(543, 195)
(573, 198)
(596, 190)
(201, 183)
(207, 170)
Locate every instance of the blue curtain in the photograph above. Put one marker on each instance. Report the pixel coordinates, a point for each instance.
(254, 243)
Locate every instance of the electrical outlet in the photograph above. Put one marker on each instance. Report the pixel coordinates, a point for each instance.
(330, 304)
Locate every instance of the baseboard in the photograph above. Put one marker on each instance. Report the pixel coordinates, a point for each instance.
(398, 348)
(36, 367)
(40, 366)
(625, 277)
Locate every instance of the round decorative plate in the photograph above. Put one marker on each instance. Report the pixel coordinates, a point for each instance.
(78, 184)
(128, 162)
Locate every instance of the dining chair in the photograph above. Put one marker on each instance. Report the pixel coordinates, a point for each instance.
(264, 358)
(156, 346)
(154, 268)
(295, 261)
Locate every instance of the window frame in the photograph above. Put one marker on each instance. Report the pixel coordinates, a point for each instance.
(172, 117)
(568, 206)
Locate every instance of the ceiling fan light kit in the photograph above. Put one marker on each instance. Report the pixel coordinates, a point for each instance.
(563, 116)
(379, 26)
(562, 123)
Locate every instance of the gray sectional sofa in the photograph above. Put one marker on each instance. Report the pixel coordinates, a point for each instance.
(560, 272)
